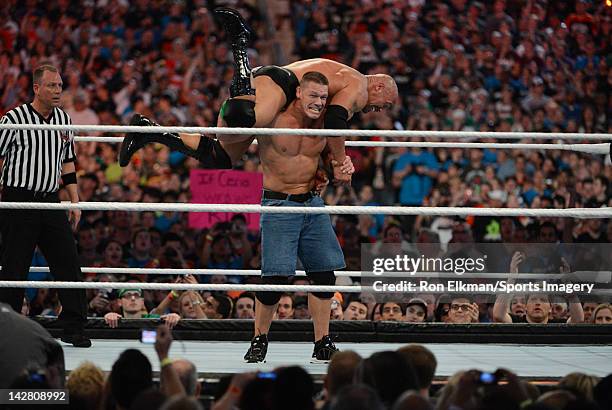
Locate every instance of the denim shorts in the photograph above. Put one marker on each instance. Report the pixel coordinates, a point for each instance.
(287, 237)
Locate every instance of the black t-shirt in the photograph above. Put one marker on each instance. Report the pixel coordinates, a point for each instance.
(587, 238)
(523, 319)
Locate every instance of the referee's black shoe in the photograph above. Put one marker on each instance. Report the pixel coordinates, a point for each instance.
(77, 340)
(257, 351)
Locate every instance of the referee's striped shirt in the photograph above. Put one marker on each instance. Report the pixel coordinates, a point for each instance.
(33, 159)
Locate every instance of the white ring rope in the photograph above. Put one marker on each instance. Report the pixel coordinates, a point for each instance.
(176, 286)
(309, 132)
(211, 287)
(605, 212)
(602, 149)
(301, 273)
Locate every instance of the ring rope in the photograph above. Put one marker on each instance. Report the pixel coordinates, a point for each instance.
(210, 287)
(177, 286)
(605, 212)
(301, 273)
(602, 149)
(307, 132)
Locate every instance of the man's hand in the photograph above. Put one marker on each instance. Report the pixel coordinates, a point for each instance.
(343, 171)
(321, 181)
(112, 319)
(171, 319)
(163, 341)
(99, 303)
(517, 259)
(474, 312)
(74, 216)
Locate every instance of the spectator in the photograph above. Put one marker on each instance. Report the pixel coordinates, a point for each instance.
(357, 397)
(132, 307)
(603, 314)
(580, 384)
(86, 386)
(218, 307)
(356, 310)
(463, 310)
(336, 307)
(244, 308)
(388, 373)
(340, 373)
(392, 311)
(191, 305)
(188, 375)
(285, 307)
(29, 344)
(424, 363)
(416, 311)
(300, 308)
(537, 310)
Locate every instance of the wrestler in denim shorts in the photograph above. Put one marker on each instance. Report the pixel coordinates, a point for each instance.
(286, 237)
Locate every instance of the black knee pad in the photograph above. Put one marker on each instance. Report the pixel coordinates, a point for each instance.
(323, 279)
(212, 155)
(271, 298)
(239, 113)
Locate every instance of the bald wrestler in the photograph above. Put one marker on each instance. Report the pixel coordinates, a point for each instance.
(257, 96)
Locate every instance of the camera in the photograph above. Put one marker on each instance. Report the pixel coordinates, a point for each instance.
(148, 336)
(487, 378)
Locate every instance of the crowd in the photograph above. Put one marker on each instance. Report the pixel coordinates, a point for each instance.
(394, 380)
(460, 65)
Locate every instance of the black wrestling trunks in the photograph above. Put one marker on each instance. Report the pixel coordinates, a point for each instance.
(284, 78)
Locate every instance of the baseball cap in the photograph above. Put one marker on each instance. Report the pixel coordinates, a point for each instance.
(124, 291)
(300, 302)
(417, 301)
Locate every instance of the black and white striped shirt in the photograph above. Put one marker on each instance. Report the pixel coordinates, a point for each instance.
(33, 159)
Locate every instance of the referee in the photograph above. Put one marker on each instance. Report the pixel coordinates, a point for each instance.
(33, 163)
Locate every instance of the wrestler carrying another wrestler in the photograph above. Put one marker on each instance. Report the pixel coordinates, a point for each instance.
(258, 96)
(289, 166)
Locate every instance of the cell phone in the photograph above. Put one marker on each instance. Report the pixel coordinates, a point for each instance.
(487, 378)
(266, 375)
(148, 336)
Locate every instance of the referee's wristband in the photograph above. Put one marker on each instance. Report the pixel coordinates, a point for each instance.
(69, 178)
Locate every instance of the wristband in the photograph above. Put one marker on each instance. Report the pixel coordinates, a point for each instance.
(173, 295)
(69, 178)
(235, 390)
(165, 362)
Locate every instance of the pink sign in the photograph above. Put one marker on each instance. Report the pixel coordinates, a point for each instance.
(221, 186)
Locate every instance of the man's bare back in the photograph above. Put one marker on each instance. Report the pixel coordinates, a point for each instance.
(347, 86)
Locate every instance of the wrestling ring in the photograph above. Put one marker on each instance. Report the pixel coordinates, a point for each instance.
(536, 352)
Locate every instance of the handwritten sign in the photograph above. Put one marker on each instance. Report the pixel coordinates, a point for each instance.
(221, 186)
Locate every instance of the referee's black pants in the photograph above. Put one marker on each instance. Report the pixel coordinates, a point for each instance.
(24, 229)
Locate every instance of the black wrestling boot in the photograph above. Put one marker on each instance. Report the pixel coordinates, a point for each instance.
(210, 152)
(238, 34)
(135, 140)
